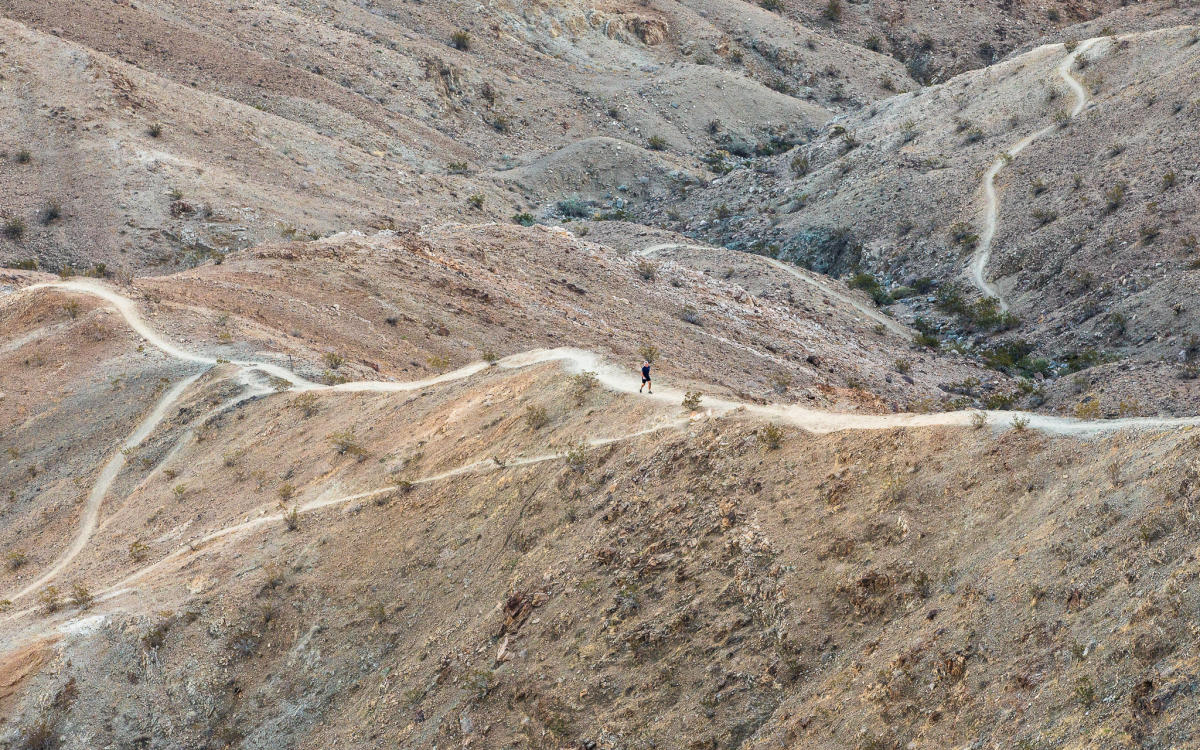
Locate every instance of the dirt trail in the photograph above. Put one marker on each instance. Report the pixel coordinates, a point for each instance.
(91, 509)
(991, 201)
(612, 377)
(829, 288)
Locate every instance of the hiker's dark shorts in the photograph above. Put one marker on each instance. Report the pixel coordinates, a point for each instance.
(645, 379)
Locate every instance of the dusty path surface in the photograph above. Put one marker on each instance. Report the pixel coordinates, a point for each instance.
(91, 508)
(866, 310)
(991, 200)
(610, 376)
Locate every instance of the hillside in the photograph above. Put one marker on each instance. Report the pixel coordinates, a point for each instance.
(321, 416)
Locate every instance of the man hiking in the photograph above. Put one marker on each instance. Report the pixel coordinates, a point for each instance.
(646, 378)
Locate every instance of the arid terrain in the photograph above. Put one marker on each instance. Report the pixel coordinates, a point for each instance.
(320, 328)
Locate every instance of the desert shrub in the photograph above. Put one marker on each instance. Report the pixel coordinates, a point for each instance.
(1169, 179)
(307, 403)
(781, 381)
(574, 208)
(16, 559)
(457, 167)
(460, 40)
(582, 384)
(1044, 216)
(871, 286)
(902, 366)
(833, 11)
(964, 235)
(656, 143)
(873, 43)
(979, 420)
(523, 218)
(536, 417)
(1114, 196)
(138, 550)
(691, 400)
(576, 455)
(690, 314)
(72, 308)
(771, 5)
(771, 436)
(646, 269)
(648, 352)
(286, 491)
(346, 443)
(23, 156)
(291, 519)
(333, 360)
(490, 357)
(14, 228)
(475, 201)
(51, 212)
(50, 599)
(1020, 423)
(926, 340)
(155, 130)
(1149, 233)
(40, 735)
(800, 165)
(80, 596)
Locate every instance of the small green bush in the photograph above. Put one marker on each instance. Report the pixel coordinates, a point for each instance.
(524, 218)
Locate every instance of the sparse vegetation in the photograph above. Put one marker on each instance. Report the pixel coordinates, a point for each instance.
(771, 436)
(523, 218)
(648, 352)
(833, 11)
(582, 384)
(475, 201)
(646, 269)
(138, 550)
(346, 444)
(691, 400)
(16, 559)
(536, 417)
(51, 213)
(307, 403)
(1114, 196)
(1020, 423)
(461, 40)
(155, 130)
(656, 143)
(291, 519)
(50, 599)
(333, 360)
(690, 314)
(14, 228)
(81, 597)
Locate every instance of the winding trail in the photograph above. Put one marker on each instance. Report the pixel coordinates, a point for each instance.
(610, 376)
(867, 311)
(91, 508)
(991, 201)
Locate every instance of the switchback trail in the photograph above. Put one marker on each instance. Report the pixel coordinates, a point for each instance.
(991, 201)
